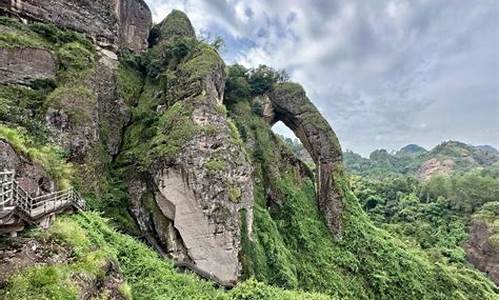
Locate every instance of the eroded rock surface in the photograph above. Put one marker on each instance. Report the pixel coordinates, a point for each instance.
(189, 206)
(80, 116)
(481, 251)
(112, 24)
(25, 65)
(30, 176)
(291, 106)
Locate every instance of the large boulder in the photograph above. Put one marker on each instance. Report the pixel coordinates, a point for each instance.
(113, 24)
(199, 180)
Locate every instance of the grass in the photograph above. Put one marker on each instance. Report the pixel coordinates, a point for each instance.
(148, 276)
(49, 157)
(62, 280)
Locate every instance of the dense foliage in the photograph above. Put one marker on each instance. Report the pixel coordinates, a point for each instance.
(434, 214)
(93, 243)
(292, 247)
(409, 159)
(242, 83)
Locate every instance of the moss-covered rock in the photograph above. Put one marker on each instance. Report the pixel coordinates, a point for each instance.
(175, 25)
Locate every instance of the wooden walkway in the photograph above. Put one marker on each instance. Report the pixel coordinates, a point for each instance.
(17, 204)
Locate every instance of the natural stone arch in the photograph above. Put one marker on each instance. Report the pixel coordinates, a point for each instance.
(287, 102)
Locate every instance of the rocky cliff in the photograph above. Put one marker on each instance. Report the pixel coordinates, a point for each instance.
(195, 175)
(114, 25)
(291, 106)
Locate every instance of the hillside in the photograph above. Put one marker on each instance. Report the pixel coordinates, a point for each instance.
(190, 194)
(444, 159)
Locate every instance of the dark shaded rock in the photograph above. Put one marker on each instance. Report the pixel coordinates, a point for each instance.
(30, 176)
(481, 251)
(112, 24)
(25, 65)
(134, 23)
(295, 110)
(113, 113)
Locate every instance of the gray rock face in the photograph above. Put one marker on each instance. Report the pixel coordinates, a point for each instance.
(201, 194)
(30, 176)
(292, 107)
(112, 24)
(481, 251)
(25, 65)
(78, 121)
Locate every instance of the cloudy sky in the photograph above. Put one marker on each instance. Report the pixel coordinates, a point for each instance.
(384, 73)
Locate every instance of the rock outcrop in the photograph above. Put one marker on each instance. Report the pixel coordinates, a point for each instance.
(30, 176)
(114, 24)
(200, 178)
(291, 106)
(481, 249)
(434, 167)
(26, 65)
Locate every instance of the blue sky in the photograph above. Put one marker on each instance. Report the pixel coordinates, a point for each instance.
(384, 73)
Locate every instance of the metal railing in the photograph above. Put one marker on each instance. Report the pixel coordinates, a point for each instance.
(14, 197)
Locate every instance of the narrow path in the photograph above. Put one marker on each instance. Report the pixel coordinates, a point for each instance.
(17, 206)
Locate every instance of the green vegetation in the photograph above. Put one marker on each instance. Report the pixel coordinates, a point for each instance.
(293, 248)
(203, 61)
(129, 82)
(93, 243)
(242, 83)
(176, 24)
(410, 158)
(234, 193)
(432, 215)
(59, 281)
(14, 34)
(402, 238)
(215, 165)
(77, 101)
(75, 56)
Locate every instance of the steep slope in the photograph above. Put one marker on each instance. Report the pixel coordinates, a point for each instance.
(291, 248)
(83, 257)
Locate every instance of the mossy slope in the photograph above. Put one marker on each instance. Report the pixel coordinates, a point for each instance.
(293, 247)
(147, 275)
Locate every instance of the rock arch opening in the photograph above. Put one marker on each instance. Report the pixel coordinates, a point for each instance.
(288, 103)
(293, 142)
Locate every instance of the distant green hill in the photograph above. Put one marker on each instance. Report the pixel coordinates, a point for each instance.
(446, 158)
